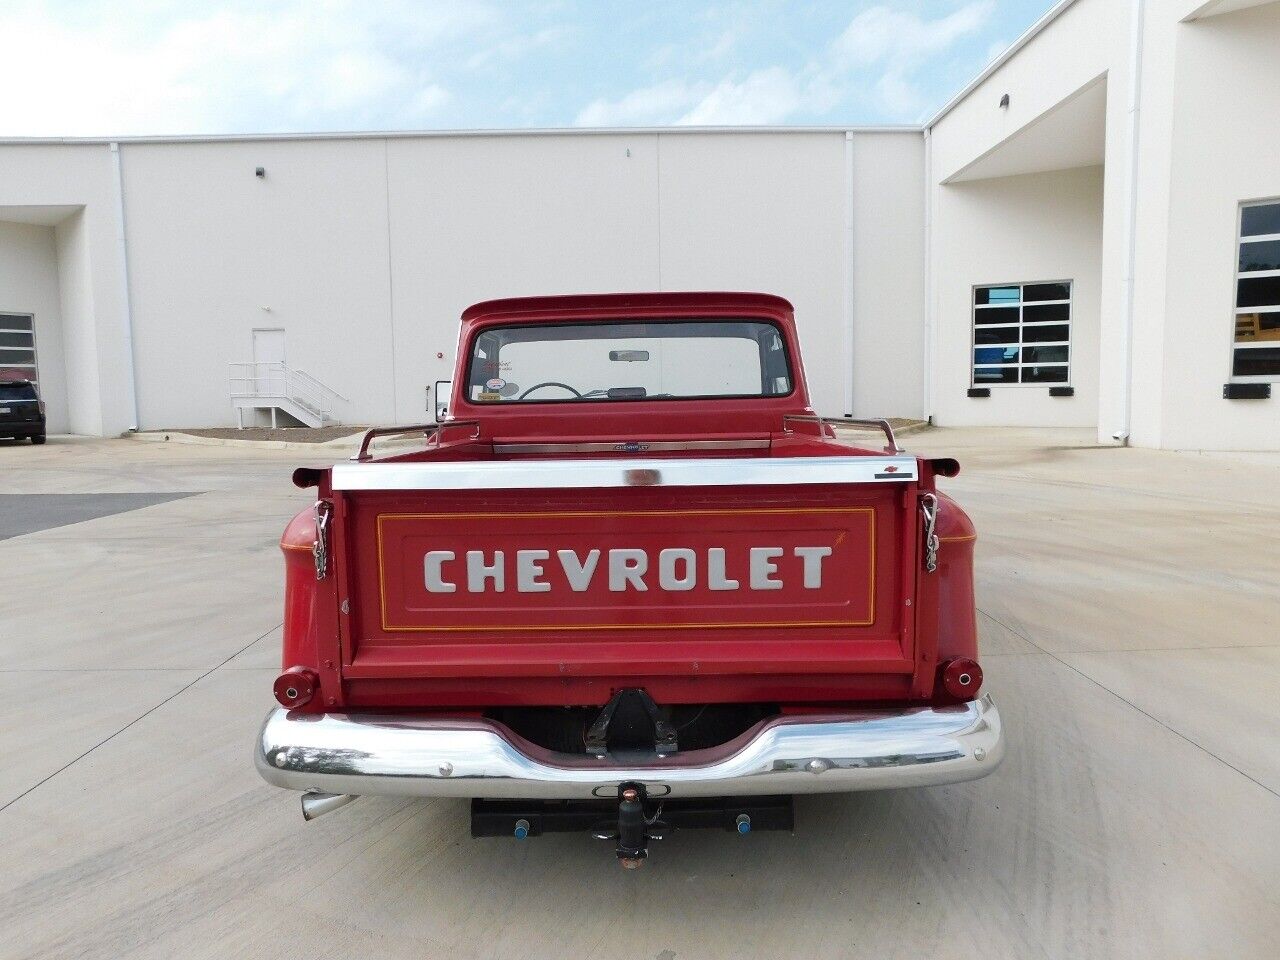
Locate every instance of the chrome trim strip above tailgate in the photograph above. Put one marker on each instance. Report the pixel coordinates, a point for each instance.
(577, 474)
(424, 756)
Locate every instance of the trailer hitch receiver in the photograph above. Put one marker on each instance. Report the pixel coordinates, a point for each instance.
(633, 829)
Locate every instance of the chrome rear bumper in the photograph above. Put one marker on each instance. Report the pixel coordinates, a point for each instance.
(370, 754)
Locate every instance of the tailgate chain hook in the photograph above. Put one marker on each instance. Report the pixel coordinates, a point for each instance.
(929, 508)
(320, 548)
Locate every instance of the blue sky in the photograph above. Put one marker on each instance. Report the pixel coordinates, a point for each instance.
(95, 67)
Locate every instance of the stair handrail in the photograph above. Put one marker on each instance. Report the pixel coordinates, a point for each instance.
(303, 386)
(318, 384)
(267, 379)
(255, 377)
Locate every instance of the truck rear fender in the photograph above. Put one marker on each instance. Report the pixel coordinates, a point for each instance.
(957, 628)
(309, 615)
(299, 647)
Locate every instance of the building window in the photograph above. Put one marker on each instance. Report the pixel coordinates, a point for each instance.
(17, 346)
(1022, 334)
(1255, 354)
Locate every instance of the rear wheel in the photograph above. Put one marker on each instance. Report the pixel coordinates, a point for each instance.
(38, 438)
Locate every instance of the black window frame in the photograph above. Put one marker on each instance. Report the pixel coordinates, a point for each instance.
(25, 325)
(1020, 326)
(1241, 350)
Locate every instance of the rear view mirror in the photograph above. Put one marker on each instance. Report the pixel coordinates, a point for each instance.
(443, 389)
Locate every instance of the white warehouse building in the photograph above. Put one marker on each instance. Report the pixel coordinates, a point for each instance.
(1087, 235)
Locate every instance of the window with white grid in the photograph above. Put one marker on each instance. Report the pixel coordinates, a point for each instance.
(1255, 352)
(1022, 334)
(17, 346)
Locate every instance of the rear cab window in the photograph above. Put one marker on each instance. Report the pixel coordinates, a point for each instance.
(616, 361)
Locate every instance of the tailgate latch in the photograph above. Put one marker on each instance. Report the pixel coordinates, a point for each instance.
(929, 510)
(320, 548)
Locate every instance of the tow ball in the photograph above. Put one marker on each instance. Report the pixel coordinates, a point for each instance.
(633, 830)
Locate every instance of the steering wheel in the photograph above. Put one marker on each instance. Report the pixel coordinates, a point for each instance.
(549, 383)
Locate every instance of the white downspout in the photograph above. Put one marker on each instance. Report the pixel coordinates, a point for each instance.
(124, 285)
(848, 273)
(926, 379)
(1131, 222)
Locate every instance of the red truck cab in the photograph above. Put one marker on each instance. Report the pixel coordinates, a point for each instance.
(629, 583)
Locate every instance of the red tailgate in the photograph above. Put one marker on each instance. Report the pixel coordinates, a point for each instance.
(698, 593)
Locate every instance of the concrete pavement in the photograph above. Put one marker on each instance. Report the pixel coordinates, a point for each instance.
(1130, 616)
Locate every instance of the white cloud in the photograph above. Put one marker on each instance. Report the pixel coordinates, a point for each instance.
(119, 70)
(879, 52)
(766, 96)
(899, 43)
(883, 34)
(520, 45)
(100, 67)
(429, 99)
(655, 104)
(722, 47)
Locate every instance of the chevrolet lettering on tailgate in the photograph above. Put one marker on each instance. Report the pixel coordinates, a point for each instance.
(676, 569)
(628, 583)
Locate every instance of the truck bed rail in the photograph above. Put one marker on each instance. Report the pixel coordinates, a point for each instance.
(892, 443)
(426, 429)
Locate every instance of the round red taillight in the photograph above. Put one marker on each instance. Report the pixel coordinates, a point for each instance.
(296, 686)
(962, 678)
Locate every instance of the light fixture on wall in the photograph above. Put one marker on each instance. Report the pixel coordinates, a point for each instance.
(1004, 105)
(261, 172)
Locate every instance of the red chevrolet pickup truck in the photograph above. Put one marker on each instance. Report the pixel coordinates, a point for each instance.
(629, 582)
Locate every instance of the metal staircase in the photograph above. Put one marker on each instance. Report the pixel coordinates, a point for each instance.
(277, 388)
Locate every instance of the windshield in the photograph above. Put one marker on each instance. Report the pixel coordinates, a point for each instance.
(11, 392)
(654, 360)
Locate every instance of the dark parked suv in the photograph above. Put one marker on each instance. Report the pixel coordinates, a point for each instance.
(21, 410)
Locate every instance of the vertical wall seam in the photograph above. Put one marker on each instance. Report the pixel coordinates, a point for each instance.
(657, 182)
(927, 345)
(1131, 223)
(62, 322)
(391, 285)
(848, 274)
(127, 303)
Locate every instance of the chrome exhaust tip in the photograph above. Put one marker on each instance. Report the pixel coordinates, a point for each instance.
(318, 804)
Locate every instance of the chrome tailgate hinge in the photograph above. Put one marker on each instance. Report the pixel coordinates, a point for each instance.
(320, 548)
(929, 510)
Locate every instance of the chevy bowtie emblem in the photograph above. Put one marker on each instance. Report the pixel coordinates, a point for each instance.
(891, 469)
